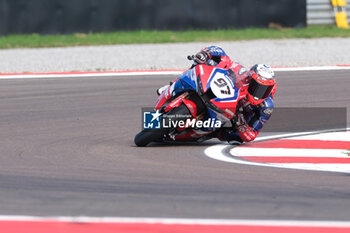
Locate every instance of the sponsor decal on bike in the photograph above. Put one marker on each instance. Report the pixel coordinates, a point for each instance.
(222, 86)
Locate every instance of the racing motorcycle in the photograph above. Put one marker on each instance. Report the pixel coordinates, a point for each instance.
(200, 101)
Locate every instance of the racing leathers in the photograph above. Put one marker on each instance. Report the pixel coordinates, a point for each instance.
(250, 118)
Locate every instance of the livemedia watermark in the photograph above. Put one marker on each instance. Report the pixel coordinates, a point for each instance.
(153, 119)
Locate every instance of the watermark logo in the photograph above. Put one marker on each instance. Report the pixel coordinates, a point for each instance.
(152, 119)
(174, 121)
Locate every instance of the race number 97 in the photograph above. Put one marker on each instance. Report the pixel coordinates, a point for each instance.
(221, 86)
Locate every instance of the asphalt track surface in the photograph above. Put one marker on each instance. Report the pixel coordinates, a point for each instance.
(67, 150)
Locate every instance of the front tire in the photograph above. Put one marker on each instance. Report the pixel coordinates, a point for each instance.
(147, 136)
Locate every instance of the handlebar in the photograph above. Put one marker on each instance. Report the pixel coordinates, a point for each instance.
(210, 62)
(190, 57)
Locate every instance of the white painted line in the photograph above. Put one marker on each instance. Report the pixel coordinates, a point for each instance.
(84, 75)
(142, 73)
(299, 134)
(220, 152)
(184, 221)
(311, 68)
(343, 136)
(281, 152)
(216, 152)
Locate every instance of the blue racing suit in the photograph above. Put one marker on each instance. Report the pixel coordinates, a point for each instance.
(255, 116)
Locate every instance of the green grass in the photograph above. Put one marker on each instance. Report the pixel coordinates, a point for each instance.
(131, 37)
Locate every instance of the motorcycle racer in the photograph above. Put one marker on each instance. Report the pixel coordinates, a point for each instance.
(255, 109)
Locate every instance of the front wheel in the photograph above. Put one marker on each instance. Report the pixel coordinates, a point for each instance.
(147, 136)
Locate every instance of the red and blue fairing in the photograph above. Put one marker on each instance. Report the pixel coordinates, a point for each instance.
(215, 85)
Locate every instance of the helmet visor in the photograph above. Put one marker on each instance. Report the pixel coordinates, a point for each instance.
(259, 91)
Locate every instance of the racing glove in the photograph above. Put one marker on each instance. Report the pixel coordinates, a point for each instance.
(202, 56)
(245, 132)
